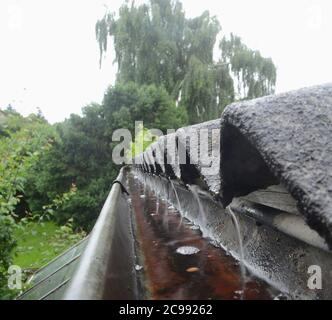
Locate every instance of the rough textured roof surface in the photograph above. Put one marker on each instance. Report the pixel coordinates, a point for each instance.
(287, 137)
(204, 157)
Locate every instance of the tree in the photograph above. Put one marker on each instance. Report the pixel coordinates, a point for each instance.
(21, 143)
(81, 152)
(255, 75)
(156, 44)
(128, 102)
(80, 156)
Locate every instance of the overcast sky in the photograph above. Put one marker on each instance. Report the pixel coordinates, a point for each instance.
(49, 56)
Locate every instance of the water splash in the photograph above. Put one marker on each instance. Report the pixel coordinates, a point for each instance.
(157, 205)
(165, 217)
(177, 196)
(238, 233)
(144, 184)
(194, 190)
(178, 201)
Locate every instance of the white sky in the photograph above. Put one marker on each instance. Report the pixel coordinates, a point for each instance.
(49, 56)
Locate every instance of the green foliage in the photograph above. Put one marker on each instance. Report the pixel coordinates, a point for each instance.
(80, 157)
(58, 202)
(20, 149)
(85, 206)
(199, 92)
(82, 154)
(142, 140)
(7, 245)
(255, 75)
(40, 242)
(126, 103)
(21, 143)
(147, 42)
(156, 44)
(24, 143)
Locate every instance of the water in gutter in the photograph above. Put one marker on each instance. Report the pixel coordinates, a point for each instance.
(178, 262)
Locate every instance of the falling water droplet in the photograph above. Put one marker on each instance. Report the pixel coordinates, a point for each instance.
(157, 205)
(194, 190)
(178, 201)
(238, 233)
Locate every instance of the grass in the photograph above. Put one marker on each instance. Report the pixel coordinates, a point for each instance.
(39, 243)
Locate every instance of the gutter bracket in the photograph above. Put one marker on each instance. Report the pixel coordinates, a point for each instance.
(123, 189)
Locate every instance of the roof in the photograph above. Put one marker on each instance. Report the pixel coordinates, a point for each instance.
(51, 281)
(284, 138)
(287, 137)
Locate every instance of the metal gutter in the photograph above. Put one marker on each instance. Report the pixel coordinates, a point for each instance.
(102, 266)
(278, 247)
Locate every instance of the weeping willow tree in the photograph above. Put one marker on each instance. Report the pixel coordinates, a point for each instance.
(156, 44)
(254, 74)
